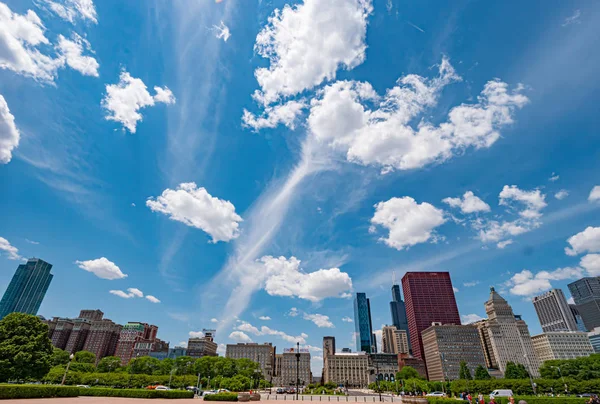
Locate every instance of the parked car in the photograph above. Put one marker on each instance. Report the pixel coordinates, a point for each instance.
(291, 390)
(436, 394)
(161, 388)
(501, 393)
(209, 392)
(280, 391)
(83, 386)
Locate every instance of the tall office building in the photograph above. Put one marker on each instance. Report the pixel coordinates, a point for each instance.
(288, 363)
(132, 333)
(429, 299)
(263, 354)
(62, 332)
(365, 338)
(586, 294)
(554, 311)
(594, 337)
(79, 334)
(505, 337)
(27, 288)
(103, 338)
(398, 310)
(577, 317)
(394, 340)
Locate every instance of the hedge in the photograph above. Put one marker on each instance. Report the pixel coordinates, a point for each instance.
(221, 397)
(136, 393)
(36, 391)
(529, 399)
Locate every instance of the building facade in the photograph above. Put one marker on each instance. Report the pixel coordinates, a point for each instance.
(415, 363)
(429, 298)
(263, 354)
(132, 333)
(199, 347)
(289, 362)
(446, 346)
(27, 288)
(365, 339)
(505, 337)
(578, 318)
(383, 366)
(586, 294)
(594, 337)
(398, 311)
(394, 340)
(554, 311)
(562, 345)
(92, 315)
(348, 369)
(79, 334)
(62, 332)
(103, 338)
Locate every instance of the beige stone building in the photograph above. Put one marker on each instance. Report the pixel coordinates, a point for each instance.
(562, 345)
(263, 354)
(286, 375)
(351, 369)
(445, 346)
(505, 337)
(394, 340)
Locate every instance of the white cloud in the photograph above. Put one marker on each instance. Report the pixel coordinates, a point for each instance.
(307, 43)
(124, 100)
(214, 320)
(320, 320)
(264, 318)
(152, 299)
(102, 268)
(293, 312)
(455, 289)
(470, 284)
(470, 318)
(283, 277)
(341, 116)
(379, 338)
(240, 336)
(197, 208)
(585, 241)
(573, 19)
(502, 244)
(135, 292)
(221, 31)
(70, 10)
(246, 327)
(72, 50)
(286, 114)
(594, 194)
(183, 344)
(196, 334)
(9, 134)
(11, 251)
(347, 320)
(122, 294)
(313, 348)
(533, 200)
(525, 283)
(554, 177)
(562, 194)
(591, 263)
(222, 349)
(469, 203)
(409, 223)
(32, 242)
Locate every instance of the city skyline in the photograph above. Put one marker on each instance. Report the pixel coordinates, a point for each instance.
(255, 192)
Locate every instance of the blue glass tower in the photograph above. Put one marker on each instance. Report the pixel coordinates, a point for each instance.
(398, 311)
(27, 288)
(365, 338)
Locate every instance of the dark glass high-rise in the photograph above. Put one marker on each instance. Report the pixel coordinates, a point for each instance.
(398, 311)
(365, 340)
(27, 288)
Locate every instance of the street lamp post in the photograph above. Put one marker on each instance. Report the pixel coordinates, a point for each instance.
(563, 379)
(442, 360)
(529, 371)
(67, 369)
(297, 368)
(377, 380)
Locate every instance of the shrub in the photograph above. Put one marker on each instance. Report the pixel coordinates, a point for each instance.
(221, 397)
(136, 393)
(36, 391)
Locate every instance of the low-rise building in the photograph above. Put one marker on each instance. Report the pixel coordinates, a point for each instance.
(415, 363)
(290, 367)
(383, 366)
(348, 369)
(562, 345)
(263, 354)
(202, 346)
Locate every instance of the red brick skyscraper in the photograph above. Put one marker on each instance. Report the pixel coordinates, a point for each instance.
(429, 298)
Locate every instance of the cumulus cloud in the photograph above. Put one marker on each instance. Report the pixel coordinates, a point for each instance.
(307, 43)
(122, 294)
(470, 284)
(585, 241)
(409, 223)
(562, 194)
(284, 277)
(293, 312)
(240, 336)
(594, 194)
(469, 203)
(455, 289)
(72, 50)
(534, 200)
(102, 268)
(347, 320)
(502, 244)
(124, 100)
(246, 327)
(214, 320)
(286, 114)
(195, 207)
(320, 320)
(554, 177)
(71, 10)
(264, 318)
(591, 263)
(9, 250)
(152, 299)
(196, 334)
(221, 31)
(342, 117)
(470, 318)
(9, 134)
(526, 283)
(135, 292)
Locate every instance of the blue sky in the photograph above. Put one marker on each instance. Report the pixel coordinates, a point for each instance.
(244, 159)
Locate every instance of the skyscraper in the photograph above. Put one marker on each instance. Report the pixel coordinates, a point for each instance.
(365, 338)
(586, 294)
(398, 310)
(27, 288)
(554, 312)
(429, 299)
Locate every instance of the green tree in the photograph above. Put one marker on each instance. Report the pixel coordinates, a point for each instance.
(464, 372)
(109, 364)
(59, 357)
(25, 349)
(166, 366)
(145, 365)
(184, 365)
(85, 357)
(515, 371)
(82, 367)
(481, 373)
(408, 372)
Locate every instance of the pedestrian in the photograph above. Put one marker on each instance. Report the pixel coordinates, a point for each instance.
(470, 398)
(511, 400)
(480, 399)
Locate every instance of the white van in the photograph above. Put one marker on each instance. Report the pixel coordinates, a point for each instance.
(501, 393)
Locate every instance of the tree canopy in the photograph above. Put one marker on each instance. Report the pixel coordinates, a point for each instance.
(408, 372)
(109, 364)
(515, 371)
(85, 357)
(481, 373)
(586, 368)
(464, 372)
(25, 349)
(59, 357)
